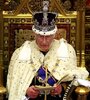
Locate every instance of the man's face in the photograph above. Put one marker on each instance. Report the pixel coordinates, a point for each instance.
(44, 42)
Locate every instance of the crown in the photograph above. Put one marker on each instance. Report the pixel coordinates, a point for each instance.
(44, 21)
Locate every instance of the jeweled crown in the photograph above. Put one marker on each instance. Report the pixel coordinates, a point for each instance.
(44, 21)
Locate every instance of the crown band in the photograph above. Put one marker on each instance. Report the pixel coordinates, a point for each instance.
(43, 32)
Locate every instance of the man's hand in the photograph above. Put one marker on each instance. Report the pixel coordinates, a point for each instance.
(32, 92)
(57, 90)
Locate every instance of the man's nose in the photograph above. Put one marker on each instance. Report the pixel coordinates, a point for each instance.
(44, 40)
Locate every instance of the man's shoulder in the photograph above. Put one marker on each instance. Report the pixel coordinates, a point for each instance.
(66, 42)
(25, 44)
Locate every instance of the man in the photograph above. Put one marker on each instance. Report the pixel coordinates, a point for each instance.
(37, 67)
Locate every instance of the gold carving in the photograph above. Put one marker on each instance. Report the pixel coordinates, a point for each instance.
(2, 90)
(82, 90)
(82, 93)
